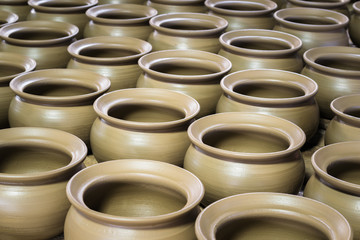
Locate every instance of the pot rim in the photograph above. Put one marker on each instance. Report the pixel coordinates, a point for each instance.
(356, 7)
(219, 23)
(148, 96)
(340, 104)
(293, 134)
(341, 19)
(67, 143)
(278, 205)
(129, 43)
(292, 41)
(37, 5)
(311, 55)
(269, 7)
(320, 4)
(328, 155)
(138, 170)
(69, 29)
(8, 17)
(28, 64)
(272, 76)
(177, 2)
(148, 13)
(147, 60)
(82, 78)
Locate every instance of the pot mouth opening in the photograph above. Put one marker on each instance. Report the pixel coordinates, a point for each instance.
(120, 15)
(259, 43)
(353, 111)
(337, 62)
(55, 4)
(8, 69)
(251, 8)
(37, 34)
(186, 24)
(346, 169)
(98, 51)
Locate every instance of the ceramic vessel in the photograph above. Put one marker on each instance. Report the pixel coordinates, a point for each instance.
(354, 31)
(112, 57)
(340, 6)
(260, 48)
(195, 73)
(247, 152)
(172, 6)
(11, 65)
(144, 123)
(36, 164)
(44, 41)
(336, 180)
(7, 17)
(244, 14)
(19, 7)
(57, 98)
(337, 72)
(139, 2)
(314, 26)
(187, 31)
(279, 216)
(275, 92)
(131, 20)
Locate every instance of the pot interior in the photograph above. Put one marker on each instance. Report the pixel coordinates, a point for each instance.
(353, 111)
(61, 4)
(260, 43)
(188, 24)
(240, 6)
(10, 69)
(340, 62)
(133, 199)
(119, 15)
(268, 90)
(37, 34)
(31, 159)
(311, 20)
(49, 89)
(107, 52)
(346, 169)
(184, 68)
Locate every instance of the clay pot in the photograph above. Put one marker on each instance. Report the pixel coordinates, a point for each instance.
(7, 17)
(259, 48)
(172, 6)
(69, 11)
(18, 7)
(336, 180)
(244, 14)
(103, 2)
(113, 57)
(247, 152)
(57, 98)
(187, 31)
(279, 216)
(334, 5)
(119, 20)
(195, 73)
(314, 26)
(275, 92)
(11, 65)
(337, 72)
(44, 41)
(36, 164)
(354, 30)
(144, 123)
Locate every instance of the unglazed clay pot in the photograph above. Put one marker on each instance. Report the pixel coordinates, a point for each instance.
(195, 73)
(260, 48)
(103, 2)
(133, 199)
(144, 123)
(334, 5)
(259, 216)
(7, 17)
(345, 125)
(112, 57)
(44, 41)
(36, 164)
(354, 30)
(187, 31)
(235, 152)
(70, 11)
(172, 6)
(337, 72)
(11, 65)
(243, 14)
(336, 180)
(131, 20)
(19, 7)
(57, 98)
(275, 92)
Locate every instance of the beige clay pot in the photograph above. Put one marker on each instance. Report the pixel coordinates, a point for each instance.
(18, 7)
(195, 73)
(144, 123)
(336, 180)
(36, 164)
(7, 17)
(354, 30)
(138, 2)
(175, 6)
(247, 152)
(133, 199)
(340, 6)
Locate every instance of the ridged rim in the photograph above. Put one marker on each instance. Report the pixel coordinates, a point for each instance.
(18, 60)
(85, 4)
(343, 103)
(269, 7)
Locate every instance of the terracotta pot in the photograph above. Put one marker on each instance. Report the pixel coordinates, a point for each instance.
(354, 31)
(195, 73)
(275, 92)
(131, 20)
(11, 65)
(144, 123)
(103, 2)
(187, 31)
(172, 6)
(44, 41)
(248, 152)
(57, 98)
(314, 26)
(7, 17)
(244, 14)
(18, 7)
(336, 5)
(336, 180)
(36, 164)
(337, 72)
(271, 216)
(113, 57)
(69, 11)
(259, 48)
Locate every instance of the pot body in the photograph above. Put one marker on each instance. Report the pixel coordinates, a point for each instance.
(354, 31)
(340, 6)
(172, 6)
(19, 7)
